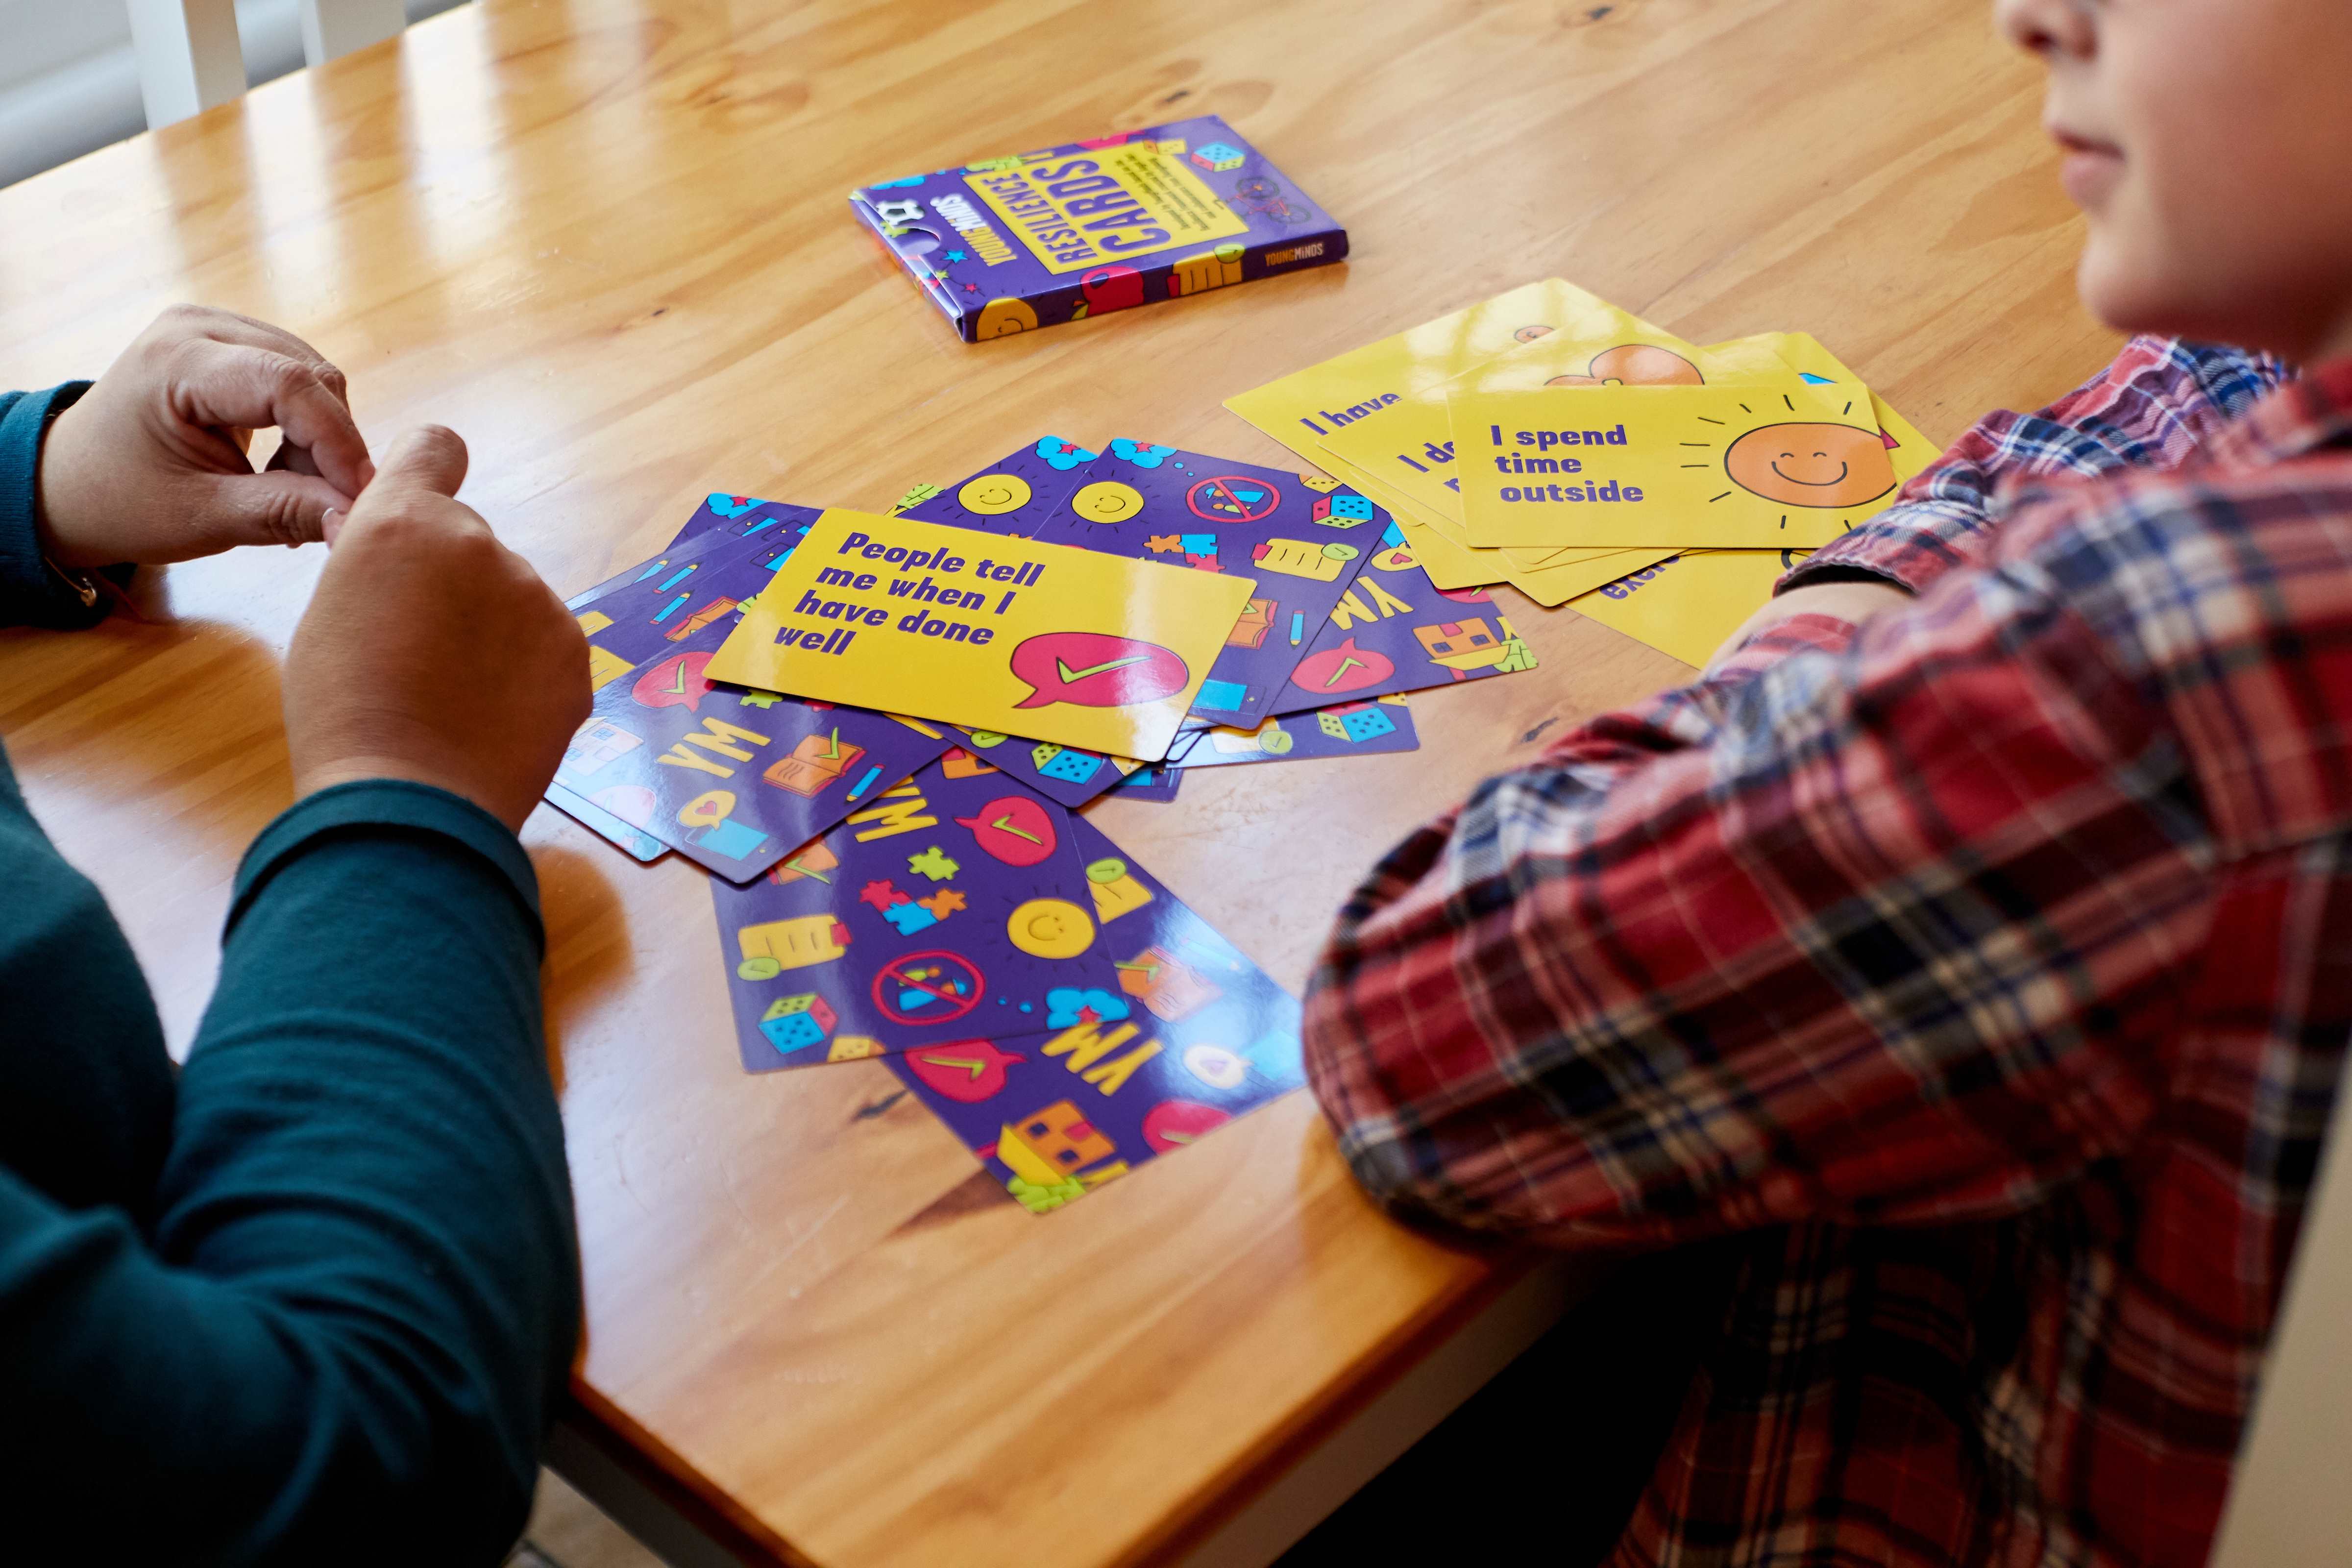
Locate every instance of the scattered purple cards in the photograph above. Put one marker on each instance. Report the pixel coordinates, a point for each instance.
(1033, 239)
(1346, 729)
(1013, 496)
(1199, 1036)
(1302, 538)
(732, 779)
(1394, 630)
(956, 906)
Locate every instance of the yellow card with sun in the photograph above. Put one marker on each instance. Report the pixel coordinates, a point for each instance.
(1721, 467)
(1306, 405)
(1409, 444)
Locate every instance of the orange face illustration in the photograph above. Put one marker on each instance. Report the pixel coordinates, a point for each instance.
(1634, 364)
(1530, 333)
(1812, 465)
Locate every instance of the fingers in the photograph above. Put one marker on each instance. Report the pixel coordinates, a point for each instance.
(430, 458)
(216, 384)
(273, 507)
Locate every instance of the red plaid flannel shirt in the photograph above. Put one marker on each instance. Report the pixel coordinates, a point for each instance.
(1985, 974)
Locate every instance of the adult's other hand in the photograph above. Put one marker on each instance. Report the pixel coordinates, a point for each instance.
(431, 651)
(150, 466)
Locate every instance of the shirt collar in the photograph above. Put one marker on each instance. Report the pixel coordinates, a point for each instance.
(2304, 416)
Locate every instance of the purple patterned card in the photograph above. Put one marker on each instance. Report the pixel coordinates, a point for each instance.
(956, 906)
(1302, 539)
(745, 517)
(1034, 239)
(1394, 630)
(642, 847)
(1206, 1036)
(658, 605)
(1012, 497)
(1155, 782)
(1346, 729)
(732, 778)
(1063, 775)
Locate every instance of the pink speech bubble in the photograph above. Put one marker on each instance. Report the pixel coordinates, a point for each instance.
(1095, 669)
(676, 681)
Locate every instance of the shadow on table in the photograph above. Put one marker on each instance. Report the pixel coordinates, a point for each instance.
(1547, 1460)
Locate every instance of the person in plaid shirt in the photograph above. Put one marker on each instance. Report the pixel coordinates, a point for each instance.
(1973, 943)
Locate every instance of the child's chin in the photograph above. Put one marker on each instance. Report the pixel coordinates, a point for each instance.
(2126, 291)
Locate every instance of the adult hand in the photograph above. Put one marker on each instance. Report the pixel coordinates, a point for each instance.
(151, 465)
(431, 651)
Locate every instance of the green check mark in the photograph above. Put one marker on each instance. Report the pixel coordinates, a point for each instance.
(1069, 675)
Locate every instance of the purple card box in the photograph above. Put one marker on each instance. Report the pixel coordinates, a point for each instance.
(1207, 1036)
(957, 907)
(1087, 228)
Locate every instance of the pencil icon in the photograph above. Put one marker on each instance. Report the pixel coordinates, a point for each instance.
(677, 577)
(867, 782)
(1297, 627)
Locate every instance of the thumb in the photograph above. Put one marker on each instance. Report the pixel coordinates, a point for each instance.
(272, 507)
(429, 458)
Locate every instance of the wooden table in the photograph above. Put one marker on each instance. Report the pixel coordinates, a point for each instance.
(606, 241)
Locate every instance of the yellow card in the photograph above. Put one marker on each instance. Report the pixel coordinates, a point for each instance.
(1717, 468)
(1908, 450)
(1686, 604)
(1057, 644)
(1557, 585)
(1409, 444)
(1306, 405)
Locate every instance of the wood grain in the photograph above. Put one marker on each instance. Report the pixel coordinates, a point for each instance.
(606, 241)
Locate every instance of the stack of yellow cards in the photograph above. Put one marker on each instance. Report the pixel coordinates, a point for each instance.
(1549, 439)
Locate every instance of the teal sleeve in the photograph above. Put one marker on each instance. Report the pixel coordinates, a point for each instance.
(343, 1339)
(30, 593)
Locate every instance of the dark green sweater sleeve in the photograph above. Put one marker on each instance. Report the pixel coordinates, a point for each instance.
(340, 1338)
(31, 595)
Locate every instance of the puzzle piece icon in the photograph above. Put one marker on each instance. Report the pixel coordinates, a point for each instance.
(943, 903)
(881, 896)
(1165, 544)
(911, 918)
(933, 863)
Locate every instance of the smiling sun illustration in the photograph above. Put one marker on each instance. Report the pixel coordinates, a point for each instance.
(1808, 464)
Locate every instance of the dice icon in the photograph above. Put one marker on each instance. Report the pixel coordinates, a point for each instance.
(1066, 764)
(1339, 510)
(794, 1022)
(1355, 724)
(1217, 156)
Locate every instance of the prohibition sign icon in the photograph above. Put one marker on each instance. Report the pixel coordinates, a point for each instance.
(927, 988)
(1232, 498)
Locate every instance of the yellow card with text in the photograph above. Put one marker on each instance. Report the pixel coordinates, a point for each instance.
(1306, 405)
(1686, 604)
(1409, 444)
(1047, 641)
(1719, 468)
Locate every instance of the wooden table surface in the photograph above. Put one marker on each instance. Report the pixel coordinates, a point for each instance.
(606, 241)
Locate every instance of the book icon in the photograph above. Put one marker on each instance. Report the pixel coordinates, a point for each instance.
(817, 761)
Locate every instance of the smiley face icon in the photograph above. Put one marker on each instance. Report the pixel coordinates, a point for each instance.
(992, 495)
(1812, 465)
(1107, 501)
(1050, 928)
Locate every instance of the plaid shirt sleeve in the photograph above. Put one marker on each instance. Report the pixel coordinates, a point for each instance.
(1857, 929)
(2157, 405)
